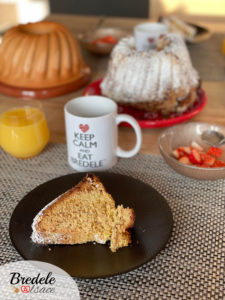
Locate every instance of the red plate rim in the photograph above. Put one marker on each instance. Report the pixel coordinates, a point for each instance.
(94, 89)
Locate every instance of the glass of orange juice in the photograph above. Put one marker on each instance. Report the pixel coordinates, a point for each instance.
(23, 129)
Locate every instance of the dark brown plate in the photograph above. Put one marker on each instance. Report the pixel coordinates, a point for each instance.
(153, 227)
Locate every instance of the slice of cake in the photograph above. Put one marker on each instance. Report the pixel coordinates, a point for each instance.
(85, 213)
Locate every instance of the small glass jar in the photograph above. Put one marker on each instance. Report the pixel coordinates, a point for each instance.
(23, 129)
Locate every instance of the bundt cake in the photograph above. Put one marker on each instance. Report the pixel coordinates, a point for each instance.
(85, 213)
(162, 79)
(41, 55)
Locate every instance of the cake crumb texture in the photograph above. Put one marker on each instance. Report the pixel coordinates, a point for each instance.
(85, 213)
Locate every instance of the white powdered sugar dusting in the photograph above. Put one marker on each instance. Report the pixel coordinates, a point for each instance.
(35, 236)
(136, 76)
(98, 239)
(165, 75)
(152, 78)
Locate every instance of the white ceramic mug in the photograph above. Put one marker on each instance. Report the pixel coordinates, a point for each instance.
(92, 133)
(146, 35)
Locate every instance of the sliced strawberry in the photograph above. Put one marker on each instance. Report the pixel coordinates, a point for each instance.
(176, 153)
(110, 39)
(208, 159)
(215, 151)
(197, 146)
(218, 164)
(195, 157)
(184, 150)
(185, 160)
(107, 39)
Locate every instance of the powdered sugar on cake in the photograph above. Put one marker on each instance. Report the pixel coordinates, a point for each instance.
(85, 213)
(37, 238)
(136, 76)
(98, 239)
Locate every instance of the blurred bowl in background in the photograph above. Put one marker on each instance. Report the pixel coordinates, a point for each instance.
(101, 40)
(184, 135)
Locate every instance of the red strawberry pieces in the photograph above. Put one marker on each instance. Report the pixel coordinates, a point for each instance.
(185, 160)
(219, 164)
(197, 146)
(176, 153)
(195, 155)
(106, 39)
(181, 151)
(184, 150)
(217, 152)
(207, 159)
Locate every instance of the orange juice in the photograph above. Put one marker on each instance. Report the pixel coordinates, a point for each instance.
(23, 131)
(223, 47)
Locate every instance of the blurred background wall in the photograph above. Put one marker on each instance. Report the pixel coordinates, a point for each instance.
(197, 10)
(13, 12)
(117, 8)
(22, 11)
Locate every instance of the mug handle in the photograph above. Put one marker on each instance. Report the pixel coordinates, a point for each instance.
(126, 118)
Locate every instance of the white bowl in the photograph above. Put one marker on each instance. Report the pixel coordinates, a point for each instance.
(183, 135)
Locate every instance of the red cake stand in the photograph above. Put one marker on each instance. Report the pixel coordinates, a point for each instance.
(150, 119)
